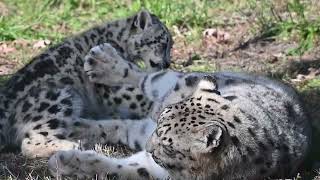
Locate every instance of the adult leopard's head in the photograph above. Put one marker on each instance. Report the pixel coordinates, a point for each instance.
(190, 137)
(150, 41)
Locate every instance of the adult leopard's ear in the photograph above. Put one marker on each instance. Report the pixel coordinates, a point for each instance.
(143, 20)
(209, 139)
(207, 84)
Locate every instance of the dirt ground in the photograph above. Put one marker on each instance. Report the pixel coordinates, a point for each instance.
(230, 48)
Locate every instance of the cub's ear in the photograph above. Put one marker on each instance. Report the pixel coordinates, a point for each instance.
(143, 20)
(208, 139)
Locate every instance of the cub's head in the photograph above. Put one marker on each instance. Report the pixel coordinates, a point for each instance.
(190, 137)
(150, 41)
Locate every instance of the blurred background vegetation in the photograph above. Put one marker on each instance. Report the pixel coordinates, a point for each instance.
(55, 19)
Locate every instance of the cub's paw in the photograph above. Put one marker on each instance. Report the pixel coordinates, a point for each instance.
(100, 62)
(71, 163)
(104, 52)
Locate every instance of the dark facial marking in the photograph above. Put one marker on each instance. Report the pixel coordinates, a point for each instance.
(230, 98)
(37, 127)
(231, 125)
(60, 136)
(44, 133)
(236, 119)
(225, 107)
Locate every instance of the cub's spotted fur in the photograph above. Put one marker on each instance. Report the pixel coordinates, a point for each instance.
(51, 104)
(208, 126)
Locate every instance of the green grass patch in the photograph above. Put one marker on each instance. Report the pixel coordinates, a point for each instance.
(313, 84)
(290, 19)
(55, 19)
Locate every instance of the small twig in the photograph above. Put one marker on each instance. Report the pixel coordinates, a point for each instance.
(275, 14)
(11, 174)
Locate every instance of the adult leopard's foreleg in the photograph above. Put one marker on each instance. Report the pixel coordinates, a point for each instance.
(41, 141)
(88, 164)
(133, 133)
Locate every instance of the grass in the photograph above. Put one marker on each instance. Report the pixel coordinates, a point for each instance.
(291, 19)
(54, 19)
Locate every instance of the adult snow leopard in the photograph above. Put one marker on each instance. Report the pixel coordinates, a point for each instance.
(208, 126)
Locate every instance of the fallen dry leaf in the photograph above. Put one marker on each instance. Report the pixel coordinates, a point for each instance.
(312, 73)
(219, 36)
(41, 44)
(4, 11)
(5, 49)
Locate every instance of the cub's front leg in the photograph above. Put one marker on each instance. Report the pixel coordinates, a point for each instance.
(104, 65)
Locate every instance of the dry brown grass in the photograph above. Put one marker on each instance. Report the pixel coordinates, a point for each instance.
(16, 166)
